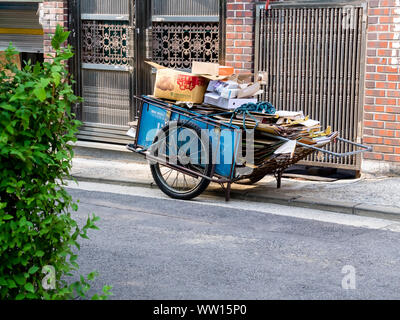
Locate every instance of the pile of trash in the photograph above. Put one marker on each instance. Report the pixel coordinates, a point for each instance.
(215, 91)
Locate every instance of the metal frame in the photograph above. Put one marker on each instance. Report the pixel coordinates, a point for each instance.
(105, 133)
(156, 18)
(74, 25)
(327, 4)
(109, 17)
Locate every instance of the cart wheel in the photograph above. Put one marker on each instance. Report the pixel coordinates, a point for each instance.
(195, 150)
(251, 180)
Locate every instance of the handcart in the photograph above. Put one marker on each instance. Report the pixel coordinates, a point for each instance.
(187, 150)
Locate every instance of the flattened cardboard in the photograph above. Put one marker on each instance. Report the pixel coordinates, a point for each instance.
(250, 91)
(207, 76)
(208, 68)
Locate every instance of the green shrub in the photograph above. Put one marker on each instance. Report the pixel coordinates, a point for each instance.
(37, 231)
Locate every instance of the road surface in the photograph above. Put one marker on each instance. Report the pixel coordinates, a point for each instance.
(153, 247)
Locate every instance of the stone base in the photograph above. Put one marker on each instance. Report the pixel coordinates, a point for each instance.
(371, 168)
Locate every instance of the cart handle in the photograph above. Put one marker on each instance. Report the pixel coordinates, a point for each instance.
(335, 154)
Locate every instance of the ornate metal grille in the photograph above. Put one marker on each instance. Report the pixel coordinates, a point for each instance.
(177, 44)
(105, 42)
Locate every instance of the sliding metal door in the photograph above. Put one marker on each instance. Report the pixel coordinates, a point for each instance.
(107, 69)
(314, 53)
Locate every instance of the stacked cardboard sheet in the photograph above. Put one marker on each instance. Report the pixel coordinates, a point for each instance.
(293, 126)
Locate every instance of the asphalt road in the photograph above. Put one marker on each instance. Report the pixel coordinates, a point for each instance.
(151, 247)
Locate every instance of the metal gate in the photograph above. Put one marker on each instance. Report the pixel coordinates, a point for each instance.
(184, 31)
(314, 54)
(116, 37)
(105, 67)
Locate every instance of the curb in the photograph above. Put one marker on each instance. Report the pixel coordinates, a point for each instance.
(345, 207)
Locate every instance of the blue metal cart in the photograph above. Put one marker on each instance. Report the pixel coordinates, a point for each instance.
(188, 150)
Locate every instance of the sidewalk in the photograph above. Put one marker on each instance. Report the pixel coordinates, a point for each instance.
(378, 198)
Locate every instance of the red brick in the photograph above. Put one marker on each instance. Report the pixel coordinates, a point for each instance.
(386, 20)
(385, 101)
(379, 28)
(368, 132)
(374, 108)
(385, 85)
(368, 116)
(243, 29)
(393, 94)
(374, 124)
(393, 110)
(379, 12)
(392, 158)
(234, 35)
(375, 93)
(373, 156)
(393, 77)
(384, 53)
(383, 149)
(388, 3)
(387, 36)
(392, 142)
(243, 43)
(376, 76)
(392, 125)
(377, 44)
(388, 69)
(377, 60)
(235, 50)
(384, 133)
(373, 140)
(385, 117)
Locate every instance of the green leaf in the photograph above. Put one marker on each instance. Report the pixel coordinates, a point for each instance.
(29, 287)
(59, 38)
(3, 282)
(8, 107)
(33, 269)
(40, 93)
(11, 284)
(56, 78)
(7, 217)
(19, 279)
(39, 253)
(91, 276)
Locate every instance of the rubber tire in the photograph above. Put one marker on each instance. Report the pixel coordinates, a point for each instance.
(203, 183)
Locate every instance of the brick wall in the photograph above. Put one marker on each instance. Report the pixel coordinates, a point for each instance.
(382, 85)
(240, 22)
(54, 13)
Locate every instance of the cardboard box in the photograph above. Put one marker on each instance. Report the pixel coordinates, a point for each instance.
(211, 69)
(229, 104)
(178, 85)
(205, 68)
